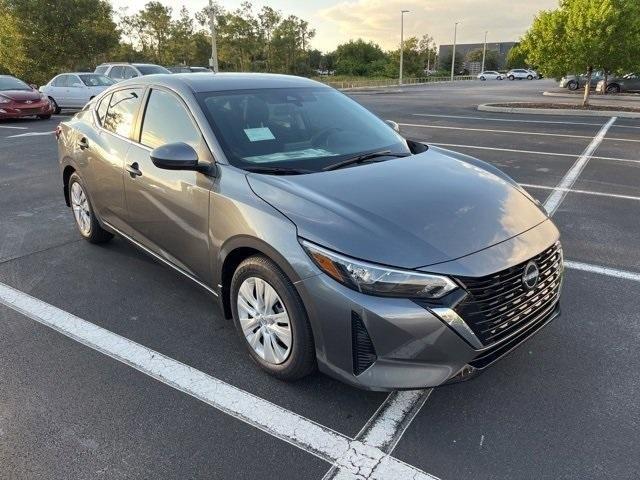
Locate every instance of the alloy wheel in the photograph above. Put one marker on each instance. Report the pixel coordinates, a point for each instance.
(81, 210)
(264, 320)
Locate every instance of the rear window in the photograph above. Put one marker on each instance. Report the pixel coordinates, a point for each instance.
(151, 69)
(101, 69)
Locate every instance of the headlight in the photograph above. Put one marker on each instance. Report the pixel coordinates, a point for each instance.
(378, 280)
(4, 99)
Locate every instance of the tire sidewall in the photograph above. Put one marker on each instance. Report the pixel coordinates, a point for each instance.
(265, 269)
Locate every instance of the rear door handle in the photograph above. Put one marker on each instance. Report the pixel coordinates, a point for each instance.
(134, 170)
(83, 143)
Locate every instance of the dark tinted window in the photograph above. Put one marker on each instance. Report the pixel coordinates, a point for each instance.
(166, 120)
(102, 108)
(151, 69)
(11, 83)
(308, 128)
(122, 111)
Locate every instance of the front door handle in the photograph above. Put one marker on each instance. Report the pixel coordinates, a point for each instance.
(83, 143)
(134, 170)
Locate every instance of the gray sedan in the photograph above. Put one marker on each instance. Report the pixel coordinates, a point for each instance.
(329, 239)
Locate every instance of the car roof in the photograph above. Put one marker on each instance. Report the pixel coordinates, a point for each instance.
(224, 81)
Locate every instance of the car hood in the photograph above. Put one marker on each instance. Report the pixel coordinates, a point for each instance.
(407, 212)
(21, 95)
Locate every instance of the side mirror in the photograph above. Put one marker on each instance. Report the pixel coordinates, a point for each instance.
(393, 125)
(175, 156)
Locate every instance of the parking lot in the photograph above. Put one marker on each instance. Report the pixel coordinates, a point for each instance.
(166, 390)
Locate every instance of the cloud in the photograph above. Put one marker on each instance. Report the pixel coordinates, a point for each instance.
(379, 20)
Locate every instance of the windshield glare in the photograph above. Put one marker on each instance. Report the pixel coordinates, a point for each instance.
(94, 80)
(10, 83)
(151, 69)
(306, 128)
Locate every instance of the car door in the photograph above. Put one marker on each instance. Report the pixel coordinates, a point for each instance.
(632, 83)
(56, 89)
(78, 92)
(168, 210)
(106, 148)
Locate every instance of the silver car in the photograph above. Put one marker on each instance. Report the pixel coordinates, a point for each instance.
(329, 239)
(75, 89)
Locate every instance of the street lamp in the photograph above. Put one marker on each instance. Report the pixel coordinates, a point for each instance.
(402, 12)
(453, 53)
(484, 50)
(213, 61)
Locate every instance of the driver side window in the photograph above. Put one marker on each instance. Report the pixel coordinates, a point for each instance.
(157, 131)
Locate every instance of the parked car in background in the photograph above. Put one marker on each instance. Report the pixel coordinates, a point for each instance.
(627, 83)
(19, 99)
(330, 239)
(574, 82)
(490, 75)
(534, 73)
(75, 89)
(521, 74)
(122, 71)
(186, 69)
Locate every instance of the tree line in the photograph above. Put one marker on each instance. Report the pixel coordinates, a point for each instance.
(40, 38)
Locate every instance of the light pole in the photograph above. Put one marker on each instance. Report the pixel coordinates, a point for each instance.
(213, 61)
(402, 12)
(484, 50)
(453, 53)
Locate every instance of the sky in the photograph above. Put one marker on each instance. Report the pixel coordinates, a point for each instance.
(337, 21)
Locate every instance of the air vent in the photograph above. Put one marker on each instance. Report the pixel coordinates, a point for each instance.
(362, 347)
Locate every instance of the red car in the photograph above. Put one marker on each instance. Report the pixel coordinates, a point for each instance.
(17, 99)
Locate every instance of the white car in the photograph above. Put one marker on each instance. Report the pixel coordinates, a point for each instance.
(123, 71)
(521, 74)
(75, 89)
(490, 75)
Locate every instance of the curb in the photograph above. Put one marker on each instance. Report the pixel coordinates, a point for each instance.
(621, 98)
(558, 112)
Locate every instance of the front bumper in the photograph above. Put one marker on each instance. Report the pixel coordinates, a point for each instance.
(19, 110)
(401, 344)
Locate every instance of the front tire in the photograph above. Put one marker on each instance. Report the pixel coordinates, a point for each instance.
(56, 108)
(613, 88)
(482, 79)
(85, 218)
(512, 78)
(529, 77)
(573, 86)
(271, 319)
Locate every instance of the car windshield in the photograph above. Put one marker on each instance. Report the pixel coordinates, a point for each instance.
(296, 128)
(94, 80)
(11, 83)
(151, 69)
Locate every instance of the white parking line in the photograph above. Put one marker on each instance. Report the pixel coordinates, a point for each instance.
(585, 192)
(532, 152)
(353, 458)
(516, 132)
(611, 272)
(387, 425)
(32, 134)
(555, 199)
(12, 127)
(520, 120)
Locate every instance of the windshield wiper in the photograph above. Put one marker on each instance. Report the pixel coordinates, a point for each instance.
(364, 157)
(277, 170)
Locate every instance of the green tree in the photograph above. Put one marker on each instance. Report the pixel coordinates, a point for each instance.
(491, 61)
(445, 61)
(40, 38)
(516, 57)
(361, 58)
(583, 35)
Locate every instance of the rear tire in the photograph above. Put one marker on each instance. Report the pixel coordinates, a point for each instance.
(86, 220)
(56, 108)
(482, 78)
(512, 78)
(283, 345)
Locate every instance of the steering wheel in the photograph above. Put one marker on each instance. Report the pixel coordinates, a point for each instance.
(320, 138)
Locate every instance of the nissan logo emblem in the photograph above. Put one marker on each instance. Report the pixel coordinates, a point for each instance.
(530, 275)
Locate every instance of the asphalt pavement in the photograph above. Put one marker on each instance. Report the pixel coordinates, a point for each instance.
(564, 406)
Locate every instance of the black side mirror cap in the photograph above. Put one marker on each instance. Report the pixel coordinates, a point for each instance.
(175, 156)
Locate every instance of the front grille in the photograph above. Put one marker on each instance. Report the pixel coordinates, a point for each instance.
(364, 354)
(29, 110)
(500, 304)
